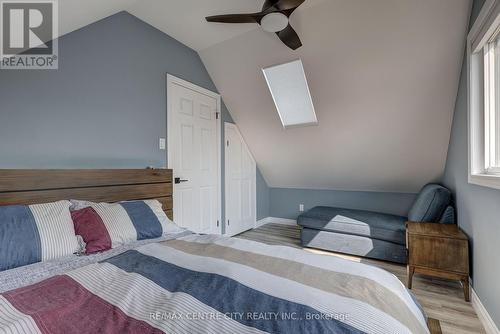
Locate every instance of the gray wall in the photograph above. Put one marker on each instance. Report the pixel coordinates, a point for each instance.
(284, 203)
(263, 197)
(105, 107)
(478, 207)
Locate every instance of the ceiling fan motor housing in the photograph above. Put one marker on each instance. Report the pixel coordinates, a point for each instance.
(274, 22)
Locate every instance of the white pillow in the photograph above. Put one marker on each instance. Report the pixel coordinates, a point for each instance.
(124, 223)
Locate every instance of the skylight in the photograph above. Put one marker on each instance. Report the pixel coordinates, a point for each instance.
(288, 86)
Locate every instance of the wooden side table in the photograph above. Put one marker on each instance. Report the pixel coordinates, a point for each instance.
(438, 250)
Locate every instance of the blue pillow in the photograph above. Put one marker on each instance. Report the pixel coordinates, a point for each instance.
(448, 216)
(430, 204)
(35, 233)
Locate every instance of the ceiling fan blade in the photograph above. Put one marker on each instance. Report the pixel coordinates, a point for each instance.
(282, 4)
(236, 18)
(290, 38)
(268, 4)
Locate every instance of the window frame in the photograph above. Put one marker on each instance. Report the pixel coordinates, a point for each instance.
(482, 109)
(491, 111)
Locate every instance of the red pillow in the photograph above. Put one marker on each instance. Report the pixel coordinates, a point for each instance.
(91, 228)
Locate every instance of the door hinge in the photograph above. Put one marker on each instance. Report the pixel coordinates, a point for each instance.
(217, 223)
(228, 222)
(228, 143)
(216, 115)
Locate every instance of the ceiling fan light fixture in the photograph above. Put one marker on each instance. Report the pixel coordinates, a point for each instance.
(274, 22)
(273, 18)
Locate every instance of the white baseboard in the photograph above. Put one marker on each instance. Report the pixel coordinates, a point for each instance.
(274, 220)
(483, 315)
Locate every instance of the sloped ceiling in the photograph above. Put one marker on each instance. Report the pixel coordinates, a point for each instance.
(383, 75)
(184, 20)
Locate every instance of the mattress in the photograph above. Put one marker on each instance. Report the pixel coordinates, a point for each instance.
(213, 284)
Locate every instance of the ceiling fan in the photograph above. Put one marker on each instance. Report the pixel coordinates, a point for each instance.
(274, 17)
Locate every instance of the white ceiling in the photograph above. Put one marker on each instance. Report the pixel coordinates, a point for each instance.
(182, 19)
(383, 76)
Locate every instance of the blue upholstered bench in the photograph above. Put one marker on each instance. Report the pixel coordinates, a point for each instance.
(372, 234)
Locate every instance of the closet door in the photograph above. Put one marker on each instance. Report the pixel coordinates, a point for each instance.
(240, 183)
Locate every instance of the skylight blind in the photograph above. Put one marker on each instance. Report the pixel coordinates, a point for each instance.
(290, 92)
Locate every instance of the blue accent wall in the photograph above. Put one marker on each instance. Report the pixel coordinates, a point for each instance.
(105, 107)
(477, 207)
(284, 202)
(263, 196)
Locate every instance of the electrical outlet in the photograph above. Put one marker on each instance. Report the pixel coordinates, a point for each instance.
(162, 143)
(301, 207)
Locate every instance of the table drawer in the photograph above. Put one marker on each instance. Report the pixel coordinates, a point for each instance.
(439, 253)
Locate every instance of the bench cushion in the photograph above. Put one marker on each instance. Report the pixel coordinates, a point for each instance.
(430, 205)
(354, 245)
(356, 222)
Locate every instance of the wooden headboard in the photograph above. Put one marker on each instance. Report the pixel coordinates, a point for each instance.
(29, 186)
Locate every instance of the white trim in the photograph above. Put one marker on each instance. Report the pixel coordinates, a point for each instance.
(254, 178)
(485, 180)
(483, 315)
(477, 35)
(275, 220)
(171, 80)
(261, 222)
(483, 28)
(481, 18)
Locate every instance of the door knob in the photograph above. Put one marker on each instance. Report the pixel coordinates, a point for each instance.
(179, 180)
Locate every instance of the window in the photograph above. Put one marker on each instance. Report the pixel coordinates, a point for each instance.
(491, 53)
(290, 91)
(483, 55)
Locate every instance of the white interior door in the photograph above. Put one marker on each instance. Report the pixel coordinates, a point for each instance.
(240, 179)
(193, 146)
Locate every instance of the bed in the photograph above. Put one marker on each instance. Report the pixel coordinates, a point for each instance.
(189, 283)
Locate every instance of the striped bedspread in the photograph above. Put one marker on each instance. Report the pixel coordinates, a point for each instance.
(210, 284)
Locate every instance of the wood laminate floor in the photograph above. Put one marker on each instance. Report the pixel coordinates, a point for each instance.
(442, 300)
